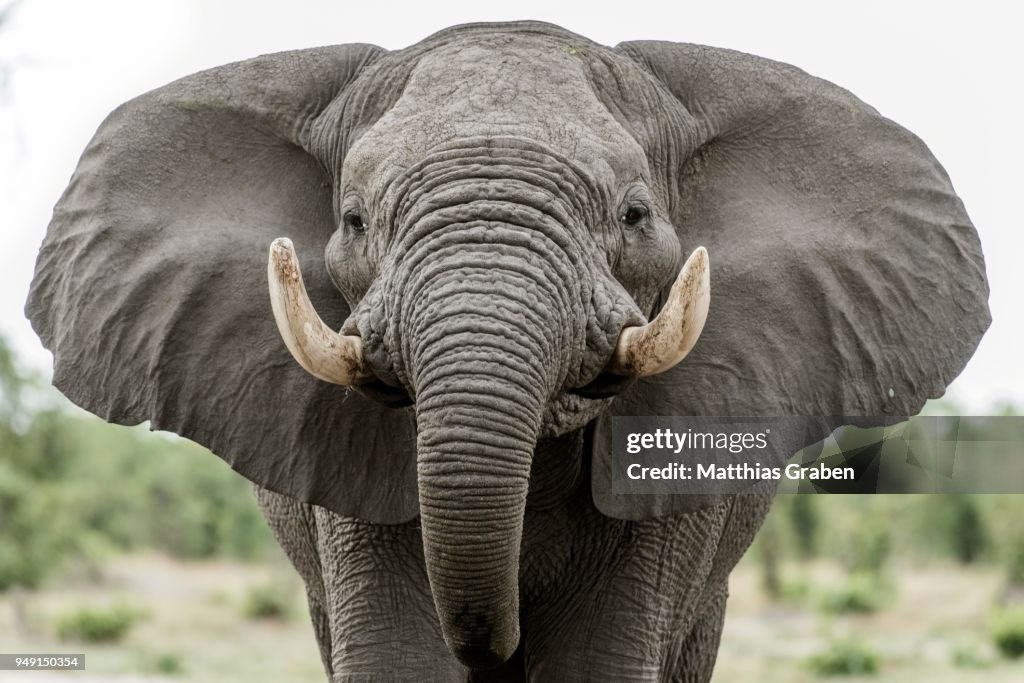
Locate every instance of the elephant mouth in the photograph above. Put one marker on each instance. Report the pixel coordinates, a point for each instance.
(640, 351)
(385, 394)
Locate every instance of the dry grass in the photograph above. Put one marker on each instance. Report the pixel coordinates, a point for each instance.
(935, 611)
(195, 614)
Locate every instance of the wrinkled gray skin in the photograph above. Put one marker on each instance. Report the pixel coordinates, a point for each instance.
(600, 598)
(493, 190)
(494, 205)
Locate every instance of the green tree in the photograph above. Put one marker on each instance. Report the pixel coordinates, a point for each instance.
(768, 548)
(57, 505)
(1015, 563)
(34, 542)
(803, 516)
(29, 550)
(870, 546)
(967, 529)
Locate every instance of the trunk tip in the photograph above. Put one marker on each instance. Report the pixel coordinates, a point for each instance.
(488, 653)
(483, 643)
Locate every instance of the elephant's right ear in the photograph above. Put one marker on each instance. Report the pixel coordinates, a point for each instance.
(151, 292)
(847, 280)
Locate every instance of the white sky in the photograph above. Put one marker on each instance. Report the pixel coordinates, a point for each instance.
(950, 74)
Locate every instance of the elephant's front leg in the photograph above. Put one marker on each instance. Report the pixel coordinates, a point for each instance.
(615, 600)
(699, 650)
(294, 527)
(383, 623)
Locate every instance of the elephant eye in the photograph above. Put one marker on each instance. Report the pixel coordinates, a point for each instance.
(635, 215)
(354, 220)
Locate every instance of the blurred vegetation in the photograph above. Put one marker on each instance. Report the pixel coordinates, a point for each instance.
(74, 490)
(970, 656)
(877, 542)
(867, 533)
(275, 600)
(98, 624)
(805, 518)
(845, 658)
(1008, 631)
(860, 593)
(168, 664)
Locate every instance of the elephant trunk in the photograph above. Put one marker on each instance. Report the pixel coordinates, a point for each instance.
(477, 433)
(485, 345)
(491, 303)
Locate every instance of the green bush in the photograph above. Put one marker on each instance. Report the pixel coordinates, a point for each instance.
(97, 624)
(269, 601)
(797, 591)
(845, 658)
(168, 664)
(870, 547)
(1008, 632)
(860, 594)
(968, 657)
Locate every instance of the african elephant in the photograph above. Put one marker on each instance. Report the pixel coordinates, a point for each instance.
(487, 222)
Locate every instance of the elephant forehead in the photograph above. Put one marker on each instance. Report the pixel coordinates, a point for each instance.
(502, 78)
(536, 88)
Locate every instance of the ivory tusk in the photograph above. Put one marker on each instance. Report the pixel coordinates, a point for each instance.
(324, 353)
(665, 341)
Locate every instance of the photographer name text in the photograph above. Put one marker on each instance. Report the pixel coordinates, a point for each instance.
(728, 442)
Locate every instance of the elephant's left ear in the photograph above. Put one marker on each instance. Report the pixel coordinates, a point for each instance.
(846, 277)
(151, 284)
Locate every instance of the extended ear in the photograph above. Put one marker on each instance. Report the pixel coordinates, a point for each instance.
(151, 285)
(846, 277)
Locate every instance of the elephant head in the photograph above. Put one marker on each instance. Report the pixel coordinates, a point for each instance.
(488, 221)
